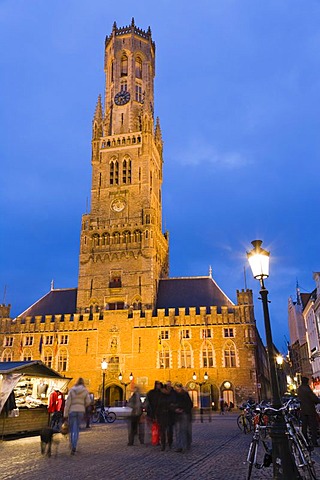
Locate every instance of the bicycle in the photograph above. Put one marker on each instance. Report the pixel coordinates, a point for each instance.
(102, 415)
(244, 420)
(298, 445)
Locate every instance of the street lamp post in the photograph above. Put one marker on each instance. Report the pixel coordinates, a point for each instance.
(104, 366)
(283, 466)
(205, 377)
(125, 384)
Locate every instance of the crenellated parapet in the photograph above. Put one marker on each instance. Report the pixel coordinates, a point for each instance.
(129, 29)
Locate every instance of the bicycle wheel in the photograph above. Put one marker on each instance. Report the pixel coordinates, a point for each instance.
(309, 464)
(110, 416)
(95, 417)
(304, 467)
(251, 458)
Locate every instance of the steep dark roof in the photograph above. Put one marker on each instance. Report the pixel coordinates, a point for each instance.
(191, 292)
(55, 302)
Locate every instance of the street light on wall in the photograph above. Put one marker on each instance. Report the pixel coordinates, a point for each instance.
(125, 383)
(283, 467)
(104, 366)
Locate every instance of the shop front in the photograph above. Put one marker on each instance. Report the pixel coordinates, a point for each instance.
(25, 391)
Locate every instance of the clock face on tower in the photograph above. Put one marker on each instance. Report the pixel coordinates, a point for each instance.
(121, 98)
(118, 205)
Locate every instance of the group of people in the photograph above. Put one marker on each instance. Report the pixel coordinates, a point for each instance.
(168, 412)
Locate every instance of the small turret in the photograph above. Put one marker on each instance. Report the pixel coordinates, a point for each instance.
(158, 136)
(97, 130)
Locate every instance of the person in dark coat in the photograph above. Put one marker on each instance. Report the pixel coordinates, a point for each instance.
(183, 418)
(308, 401)
(165, 414)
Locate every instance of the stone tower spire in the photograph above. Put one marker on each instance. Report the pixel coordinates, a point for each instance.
(123, 251)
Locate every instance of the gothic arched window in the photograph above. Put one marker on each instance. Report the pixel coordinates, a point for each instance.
(27, 354)
(47, 357)
(207, 355)
(126, 171)
(138, 67)
(114, 172)
(230, 355)
(185, 356)
(124, 66)
(63, 360)
(7, 356)
(164, 356)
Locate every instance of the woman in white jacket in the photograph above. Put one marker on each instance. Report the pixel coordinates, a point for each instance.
(75, 407)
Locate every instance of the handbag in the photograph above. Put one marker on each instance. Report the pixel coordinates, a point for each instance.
(155, 433)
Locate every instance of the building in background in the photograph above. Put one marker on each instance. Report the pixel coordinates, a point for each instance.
(126, 309)
(304, 328)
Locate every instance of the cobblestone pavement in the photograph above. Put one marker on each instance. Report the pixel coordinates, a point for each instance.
(218, 453)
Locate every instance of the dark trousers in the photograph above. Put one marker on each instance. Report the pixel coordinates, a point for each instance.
(310, 421)
(135, 427)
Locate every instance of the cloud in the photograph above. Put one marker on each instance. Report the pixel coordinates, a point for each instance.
(199, 153)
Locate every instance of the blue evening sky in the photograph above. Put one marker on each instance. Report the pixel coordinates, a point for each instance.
(237, 90)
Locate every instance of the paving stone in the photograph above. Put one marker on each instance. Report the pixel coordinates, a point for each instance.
(218, 452)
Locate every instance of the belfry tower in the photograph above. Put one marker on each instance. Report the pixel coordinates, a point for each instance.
(123, 252)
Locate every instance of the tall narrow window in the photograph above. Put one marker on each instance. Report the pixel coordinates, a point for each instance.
(47, 358)
(138, 67)
(126, 171)
(207, 355)
(124, 66)
(164, 357)
(139, 96)
(230, 355)
(185, 356)
(112, 71)
(114, 172)
(63, 360)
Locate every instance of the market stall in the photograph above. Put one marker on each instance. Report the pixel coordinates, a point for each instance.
(26, 390)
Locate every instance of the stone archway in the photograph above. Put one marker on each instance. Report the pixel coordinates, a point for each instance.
(113, 395)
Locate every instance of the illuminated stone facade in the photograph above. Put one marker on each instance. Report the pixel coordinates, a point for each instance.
(126, 309)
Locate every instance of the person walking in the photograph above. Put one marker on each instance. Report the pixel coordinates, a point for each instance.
(135, 426)
(77, 401)
(183, 418)
(308, 401)
(165, 414)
